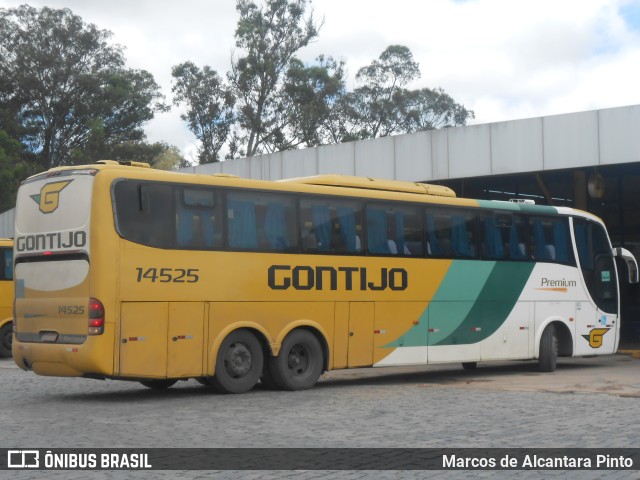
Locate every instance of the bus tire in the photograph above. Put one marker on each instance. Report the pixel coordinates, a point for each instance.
(6, 332)
(469, 365)
(548, 356)
(158, 384)
(299, 363)
(239, 363)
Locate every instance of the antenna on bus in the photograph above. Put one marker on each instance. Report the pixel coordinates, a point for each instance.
(526, 201)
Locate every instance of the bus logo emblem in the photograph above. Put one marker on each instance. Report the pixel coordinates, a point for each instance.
(49, 196)
(595, 337)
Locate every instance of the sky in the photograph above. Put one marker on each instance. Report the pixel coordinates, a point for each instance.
(503, 59)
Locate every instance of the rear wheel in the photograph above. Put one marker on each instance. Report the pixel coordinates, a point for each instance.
(158, 384)
(548, 356)
(239, 363)
(299, 363)
(6, 332)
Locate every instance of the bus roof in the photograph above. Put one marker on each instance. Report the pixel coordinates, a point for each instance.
(374, 184)
(350, 185)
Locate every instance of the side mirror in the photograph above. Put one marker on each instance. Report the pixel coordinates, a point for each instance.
(630, 260)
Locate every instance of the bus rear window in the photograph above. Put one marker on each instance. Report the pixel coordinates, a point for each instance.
(145, 213)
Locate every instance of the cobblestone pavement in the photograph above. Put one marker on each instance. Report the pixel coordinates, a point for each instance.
(508, 405)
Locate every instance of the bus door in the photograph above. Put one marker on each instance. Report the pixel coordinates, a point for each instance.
(597, 327)
(354, 334)
(161, 339)
(360, 349)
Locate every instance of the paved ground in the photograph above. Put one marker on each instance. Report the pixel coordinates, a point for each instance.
(586, 403)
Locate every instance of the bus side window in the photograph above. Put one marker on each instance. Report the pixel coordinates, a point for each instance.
(495, 229)
(517, 239)
(377, 238)
(262, 222)
(241, 217)
(315, 231)
(433, 242)
(349, 240)
(394, 229)
(550, 240)
(463, 236)
(277, 223)
(198, 214)
(451, 233)
(330, 225)
(408, 231)
(144, 213)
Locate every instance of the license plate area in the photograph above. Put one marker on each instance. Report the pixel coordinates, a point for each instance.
(48, 337)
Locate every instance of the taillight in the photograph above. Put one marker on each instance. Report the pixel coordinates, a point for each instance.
(96, 317)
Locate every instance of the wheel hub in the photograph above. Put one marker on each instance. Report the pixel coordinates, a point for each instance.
(297, 360)
(238, 361)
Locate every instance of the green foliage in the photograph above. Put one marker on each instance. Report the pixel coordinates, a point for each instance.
(158, 155)
(67, 87)
(268, 37)
(275, 102)
(382, 106)
(427, 109)
(169, 158)
(309, 94)
(67, 98)
(209, 103)
(13, 169)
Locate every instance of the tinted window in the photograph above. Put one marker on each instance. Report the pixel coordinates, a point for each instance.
(262, 221)
(550, 240)
(517, 243)
(597, 264)
(394, 230)
(495, 232)
(145, 213)
(451, 233)
(198, 218)
(330, 225)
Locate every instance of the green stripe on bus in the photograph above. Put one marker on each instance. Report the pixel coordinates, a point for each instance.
(473, 300)
(464, 280)
(493, 306)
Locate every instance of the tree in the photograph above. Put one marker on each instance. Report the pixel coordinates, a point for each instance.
(209, 103)
(13, 169)
(159, 154)
(309, 96)
(431, 109)
(269, 37)
(382, 105)
(169, 158)
(65, 85)
(376, 105)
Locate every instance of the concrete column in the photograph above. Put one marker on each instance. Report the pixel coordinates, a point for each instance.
(580, 189)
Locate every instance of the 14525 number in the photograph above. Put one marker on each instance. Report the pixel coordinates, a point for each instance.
(168, 275)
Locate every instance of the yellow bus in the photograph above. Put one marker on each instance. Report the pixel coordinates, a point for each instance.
(6, 296)
(124, 272)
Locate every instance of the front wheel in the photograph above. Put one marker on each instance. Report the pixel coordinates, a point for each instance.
(548, 356)
(299, 363)
(239, 363)
(6, 332)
